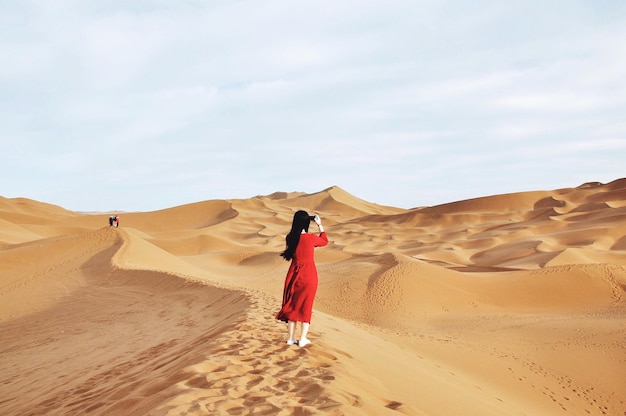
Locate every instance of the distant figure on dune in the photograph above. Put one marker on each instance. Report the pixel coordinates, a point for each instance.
(114, 221)
(301, 280)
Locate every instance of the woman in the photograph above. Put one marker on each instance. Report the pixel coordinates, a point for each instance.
(301, 280)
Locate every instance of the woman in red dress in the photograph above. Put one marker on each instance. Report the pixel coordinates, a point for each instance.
(301, 279)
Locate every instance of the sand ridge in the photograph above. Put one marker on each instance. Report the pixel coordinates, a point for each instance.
(509, 304)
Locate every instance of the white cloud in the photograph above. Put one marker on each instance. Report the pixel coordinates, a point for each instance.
(388, 100)
(550, 102)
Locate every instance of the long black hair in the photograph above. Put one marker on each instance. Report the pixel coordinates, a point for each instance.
(301, 221)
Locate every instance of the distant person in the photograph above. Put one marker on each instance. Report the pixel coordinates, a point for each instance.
(301, 280)
(117, 221)
(111, 221)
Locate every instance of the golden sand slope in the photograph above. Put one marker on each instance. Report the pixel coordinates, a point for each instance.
(505, 305)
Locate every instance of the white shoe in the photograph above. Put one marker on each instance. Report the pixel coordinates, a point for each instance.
(303, 342)
(292, 342)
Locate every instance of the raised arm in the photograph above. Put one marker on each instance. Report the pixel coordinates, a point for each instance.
(323, 238)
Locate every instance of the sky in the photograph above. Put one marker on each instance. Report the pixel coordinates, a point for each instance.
(147, 105)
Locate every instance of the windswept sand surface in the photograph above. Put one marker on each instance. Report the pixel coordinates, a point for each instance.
(505, 305)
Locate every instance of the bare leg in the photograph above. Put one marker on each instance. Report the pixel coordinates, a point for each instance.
(304, 332)
(291, 327)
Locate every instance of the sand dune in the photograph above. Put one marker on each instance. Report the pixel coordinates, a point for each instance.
(503, 305)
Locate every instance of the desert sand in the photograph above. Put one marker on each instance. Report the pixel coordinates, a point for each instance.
(501, 305)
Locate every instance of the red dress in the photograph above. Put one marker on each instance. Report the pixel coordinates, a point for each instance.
(301, 280)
